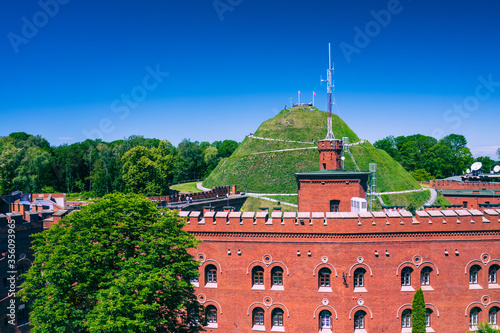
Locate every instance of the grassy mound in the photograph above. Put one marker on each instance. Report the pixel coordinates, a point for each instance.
(258, 166)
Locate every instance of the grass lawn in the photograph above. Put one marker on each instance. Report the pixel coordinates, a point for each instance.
(252, 204)
(293, 199)
(186, 188)
(418, 199)
(441, 200)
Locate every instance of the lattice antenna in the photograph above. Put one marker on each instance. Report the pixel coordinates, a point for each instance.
(329, 90)
(372, 167)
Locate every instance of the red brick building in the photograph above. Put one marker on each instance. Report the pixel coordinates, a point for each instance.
(473, 199)
(323, 271)
(330, 189)
(469, 194)
(346, 272)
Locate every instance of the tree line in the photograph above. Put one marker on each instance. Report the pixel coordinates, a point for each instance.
(427, 158)
(136, 164)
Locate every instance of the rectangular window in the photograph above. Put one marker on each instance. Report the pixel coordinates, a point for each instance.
(425, 278)
(324, 280)
(212, 276)
(278, 279)
(258, 278)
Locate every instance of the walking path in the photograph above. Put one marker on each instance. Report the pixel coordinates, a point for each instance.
(289, 149)
(397, 192)
(433, 197)
(309, 143)
(200, 187)
(261, 196)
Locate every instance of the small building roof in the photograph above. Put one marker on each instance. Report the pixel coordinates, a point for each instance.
(470, 193)
(333, 174)
(61, 212)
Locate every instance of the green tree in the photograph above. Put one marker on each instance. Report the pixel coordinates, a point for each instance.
(421, 175)
(211, 158)
(461, 157)
(227, 148)
(418, 312)
(486, 328)
(389, 145)
(488, 163)
(127, 270)
(148, 170)
(190, 163)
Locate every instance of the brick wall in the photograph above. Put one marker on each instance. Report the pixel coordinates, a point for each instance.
(315, 195)
(382, 244)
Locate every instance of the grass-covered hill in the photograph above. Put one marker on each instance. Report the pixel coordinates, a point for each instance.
(265, 166)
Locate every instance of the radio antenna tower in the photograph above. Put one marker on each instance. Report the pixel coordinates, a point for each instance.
(329, 90)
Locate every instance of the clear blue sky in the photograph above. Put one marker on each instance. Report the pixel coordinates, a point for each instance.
(84, 68)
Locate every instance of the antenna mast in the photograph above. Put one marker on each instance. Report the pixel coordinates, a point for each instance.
(329, 90)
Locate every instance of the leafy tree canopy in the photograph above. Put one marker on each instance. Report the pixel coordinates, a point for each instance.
(447, 157)
(119, 265)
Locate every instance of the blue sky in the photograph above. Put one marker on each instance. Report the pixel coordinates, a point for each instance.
(213, 70)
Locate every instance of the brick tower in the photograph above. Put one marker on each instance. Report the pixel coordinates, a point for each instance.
(330, 153)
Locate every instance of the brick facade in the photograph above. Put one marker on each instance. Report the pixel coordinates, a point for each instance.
(447, 244)
(319, 191)
(330, 154)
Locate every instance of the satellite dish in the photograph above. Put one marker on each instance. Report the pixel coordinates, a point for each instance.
(476, 166)
(468, 171)
(496, 168)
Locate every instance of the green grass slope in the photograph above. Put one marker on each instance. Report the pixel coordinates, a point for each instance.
(257, 166)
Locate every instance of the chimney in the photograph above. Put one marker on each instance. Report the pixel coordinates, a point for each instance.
(208, 209)
(228, 209)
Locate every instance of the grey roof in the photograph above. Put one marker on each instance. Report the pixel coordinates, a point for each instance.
(470, 193)
(333, 174)
(61, 212)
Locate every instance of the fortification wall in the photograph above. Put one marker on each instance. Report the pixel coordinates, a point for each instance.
(380, 245)
(321, 224)
(216, 191)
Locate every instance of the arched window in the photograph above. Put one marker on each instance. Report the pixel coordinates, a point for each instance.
(359, 319)
(425, 276)
(406, 276)
(277, 276)
(211, 312)
(359, 277)
(428, 313)
(474, 315)
(493, 316)
(406, 318)
(492, 274)
(324, 277)
(325, 320)
(277, 318)
(258, 317)
(473, 273)
(211, 274)
(258, 276)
